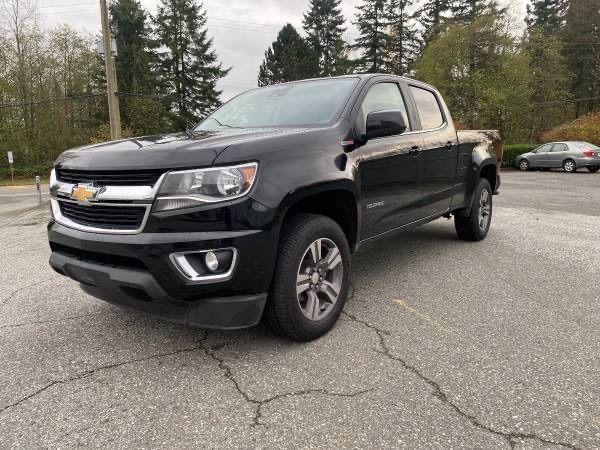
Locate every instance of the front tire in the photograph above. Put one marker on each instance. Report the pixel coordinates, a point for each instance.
(311, 280)
(524, 165)
(593, 169)
(476, 225)
(569, 166)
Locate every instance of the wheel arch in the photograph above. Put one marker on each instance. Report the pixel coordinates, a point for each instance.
(337, 200)
(488, 170)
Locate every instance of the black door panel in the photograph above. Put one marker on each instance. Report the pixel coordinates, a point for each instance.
(389, 176)
(440, 160)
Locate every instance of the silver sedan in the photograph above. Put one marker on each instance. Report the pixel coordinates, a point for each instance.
(568, 155)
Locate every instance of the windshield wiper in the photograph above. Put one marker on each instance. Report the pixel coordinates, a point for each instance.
(223, 124)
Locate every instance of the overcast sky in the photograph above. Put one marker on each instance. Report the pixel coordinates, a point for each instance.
(241, 29)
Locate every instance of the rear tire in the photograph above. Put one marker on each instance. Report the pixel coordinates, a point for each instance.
(476, 225)
(312, 278)
(569, 166)
(524, 165)
(593, 169)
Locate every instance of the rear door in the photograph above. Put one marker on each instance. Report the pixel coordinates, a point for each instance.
(388, 167)
(439, 152)
(557, 154)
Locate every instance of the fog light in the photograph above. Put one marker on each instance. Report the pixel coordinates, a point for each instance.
(211, 261)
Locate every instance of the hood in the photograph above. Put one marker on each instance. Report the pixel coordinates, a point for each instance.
(169, 151)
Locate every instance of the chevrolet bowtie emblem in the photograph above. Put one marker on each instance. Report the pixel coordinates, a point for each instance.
(84, 192)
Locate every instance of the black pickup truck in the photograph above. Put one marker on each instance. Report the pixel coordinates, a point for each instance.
(255, 213)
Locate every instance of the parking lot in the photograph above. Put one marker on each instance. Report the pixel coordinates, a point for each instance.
(443, 344)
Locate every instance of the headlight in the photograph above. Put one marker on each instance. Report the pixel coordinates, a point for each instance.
(189, 188)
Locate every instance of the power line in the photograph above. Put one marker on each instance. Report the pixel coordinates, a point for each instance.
(67, 5)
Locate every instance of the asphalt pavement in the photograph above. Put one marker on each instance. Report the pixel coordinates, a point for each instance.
(443, 344)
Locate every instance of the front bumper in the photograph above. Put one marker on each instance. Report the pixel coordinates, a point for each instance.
(136, 271)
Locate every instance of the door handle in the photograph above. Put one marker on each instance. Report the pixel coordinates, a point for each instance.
(414, 151)
(450, 145)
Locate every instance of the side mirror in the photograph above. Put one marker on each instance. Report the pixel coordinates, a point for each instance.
(385, 123)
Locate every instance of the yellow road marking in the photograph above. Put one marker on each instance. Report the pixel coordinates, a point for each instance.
(424, 317)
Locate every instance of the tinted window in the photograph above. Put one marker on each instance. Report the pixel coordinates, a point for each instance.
(305, 103)
(383, 97)
(429, 109)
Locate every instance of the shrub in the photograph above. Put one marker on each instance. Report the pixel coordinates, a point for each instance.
(586, 128)
(27, 171)
(514, 150)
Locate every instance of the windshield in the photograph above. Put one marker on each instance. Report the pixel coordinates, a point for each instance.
(307, 103)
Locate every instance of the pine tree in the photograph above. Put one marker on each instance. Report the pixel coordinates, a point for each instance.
(324, 27)
(582, 45)
(374, 40)
(190, 69)
(288, 59)
(432, 16)
(466, 11)
(548, 16)
(136, 55)
(403, 40)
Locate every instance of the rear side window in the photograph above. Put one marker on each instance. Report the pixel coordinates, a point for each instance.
(559, 148)
(428, 107)
(585, 146)
(384, 97)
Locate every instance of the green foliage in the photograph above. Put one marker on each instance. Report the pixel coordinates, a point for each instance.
(549, 80)
(48, 90)
(136, 59)
(189, 71)
(514, 150)
(586, 128)
(433, 15)
(324, 27)
(467, 11)
(403, 39)
(288, 59)
(481, 73)
(373, 42)
(546, 16)
(24, 171)
(582, 48)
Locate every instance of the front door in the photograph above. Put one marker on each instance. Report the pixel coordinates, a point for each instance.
(440, 153)
(388, 168)
(541, 156)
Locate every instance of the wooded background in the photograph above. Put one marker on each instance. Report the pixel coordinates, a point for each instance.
(529, 80)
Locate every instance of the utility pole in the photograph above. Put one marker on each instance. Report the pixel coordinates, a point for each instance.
(111, 76)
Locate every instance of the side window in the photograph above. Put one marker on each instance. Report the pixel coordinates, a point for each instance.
(559, 148)
(544, 148)
(383, 97)
(428, 107)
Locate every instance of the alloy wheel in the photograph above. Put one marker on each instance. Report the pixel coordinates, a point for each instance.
(485, 209)
(319, 280)
(569, 166)
(523, 165)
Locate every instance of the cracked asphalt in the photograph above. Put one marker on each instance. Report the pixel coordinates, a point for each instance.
(442, 344)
